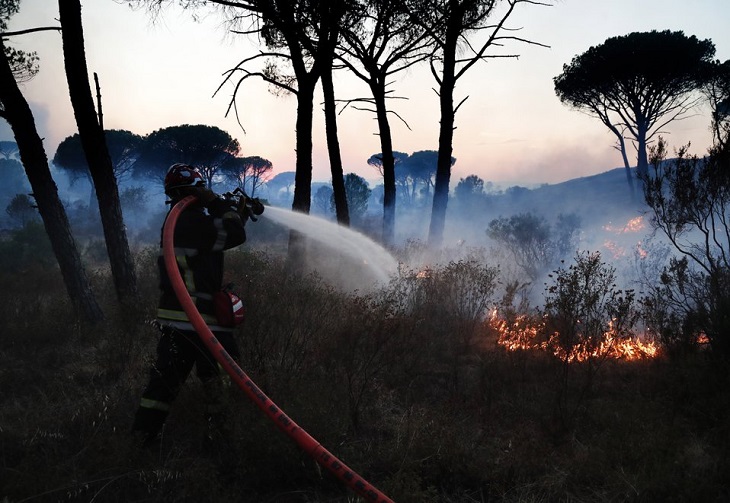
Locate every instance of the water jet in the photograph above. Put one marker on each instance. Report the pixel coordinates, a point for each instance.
(354, 259)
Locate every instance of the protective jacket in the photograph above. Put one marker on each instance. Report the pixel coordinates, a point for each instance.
(199, 239)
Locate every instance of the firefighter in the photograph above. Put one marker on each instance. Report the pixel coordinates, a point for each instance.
(203, 230)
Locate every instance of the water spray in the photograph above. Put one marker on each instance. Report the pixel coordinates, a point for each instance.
(305, 441)
(374, 258)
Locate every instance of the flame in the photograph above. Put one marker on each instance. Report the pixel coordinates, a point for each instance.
(424, 273)
(617, 251)
(635, 224)
(522, 334)
(519, 334)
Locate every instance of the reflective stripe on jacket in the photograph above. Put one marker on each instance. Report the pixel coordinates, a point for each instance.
(199, 240)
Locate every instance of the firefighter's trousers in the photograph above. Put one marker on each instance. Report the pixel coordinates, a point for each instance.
(177, 352)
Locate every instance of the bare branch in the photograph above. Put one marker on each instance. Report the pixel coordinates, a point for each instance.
(400, 118)
(246, 32)
(434, 72)
(29, 30)
(252, 6)
(229, 73)
(494, 56)
(363, 109)
(456, 108)
(370, 101)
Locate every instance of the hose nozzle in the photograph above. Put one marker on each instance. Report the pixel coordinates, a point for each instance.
(249, 207)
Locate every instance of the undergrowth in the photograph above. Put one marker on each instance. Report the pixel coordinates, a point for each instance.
(406, 385)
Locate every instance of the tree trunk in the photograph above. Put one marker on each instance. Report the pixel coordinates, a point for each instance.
(97, 153)
(624, 156)
(303, 175)
(333, 147)
(388, 160)
(642, 161)
(34, 159)
(296, 255)
(627, 167)
(446, 136)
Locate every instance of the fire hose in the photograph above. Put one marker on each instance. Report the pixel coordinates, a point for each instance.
(305, 441)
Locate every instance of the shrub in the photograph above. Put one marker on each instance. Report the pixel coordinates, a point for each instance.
(26, 248)
(688, 200)
(585, 314)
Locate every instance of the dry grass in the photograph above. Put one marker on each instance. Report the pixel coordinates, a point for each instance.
(406, 390)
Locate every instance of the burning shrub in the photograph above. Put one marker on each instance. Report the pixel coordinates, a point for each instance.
(585, 313)
(586, 317)
(672, 309)
(516, 325)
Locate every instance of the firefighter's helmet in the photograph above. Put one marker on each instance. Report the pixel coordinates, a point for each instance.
(182, 175)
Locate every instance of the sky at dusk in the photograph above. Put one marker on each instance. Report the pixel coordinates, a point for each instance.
(511, 130)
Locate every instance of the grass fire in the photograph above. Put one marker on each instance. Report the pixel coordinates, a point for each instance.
(528, 334)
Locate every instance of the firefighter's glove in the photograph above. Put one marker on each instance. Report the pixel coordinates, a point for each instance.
(250, 208)
(220, 205)
(243, 210)
(204, 195)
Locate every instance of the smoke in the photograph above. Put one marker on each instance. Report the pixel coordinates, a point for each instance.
(6, 134)
(610, 224)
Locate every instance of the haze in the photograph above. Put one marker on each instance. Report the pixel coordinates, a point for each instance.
(512, 129)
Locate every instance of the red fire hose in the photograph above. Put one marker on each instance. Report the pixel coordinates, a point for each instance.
(282, 421)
